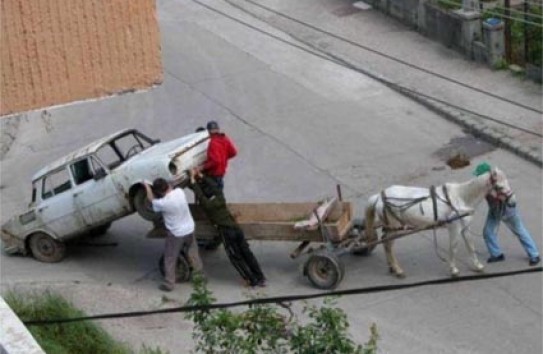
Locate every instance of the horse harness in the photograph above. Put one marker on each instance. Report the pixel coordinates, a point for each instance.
(388, 206)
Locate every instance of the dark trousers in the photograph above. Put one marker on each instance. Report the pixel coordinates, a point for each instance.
(219, 181)
(240, 255)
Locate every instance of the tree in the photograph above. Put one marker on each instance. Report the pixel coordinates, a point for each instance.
(265, 329)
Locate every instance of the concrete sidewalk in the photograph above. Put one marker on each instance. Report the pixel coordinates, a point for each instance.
(375, 30)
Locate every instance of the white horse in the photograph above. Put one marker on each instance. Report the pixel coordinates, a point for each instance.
(450, 205)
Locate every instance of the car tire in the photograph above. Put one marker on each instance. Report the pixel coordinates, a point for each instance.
(143, 206)
(46, 249)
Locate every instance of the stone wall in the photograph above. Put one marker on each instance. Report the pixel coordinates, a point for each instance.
(58, 51)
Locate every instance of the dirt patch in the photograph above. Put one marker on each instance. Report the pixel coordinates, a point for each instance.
(460, 150)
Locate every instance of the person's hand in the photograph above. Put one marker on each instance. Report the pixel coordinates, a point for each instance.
(512, 201)
(193, 173)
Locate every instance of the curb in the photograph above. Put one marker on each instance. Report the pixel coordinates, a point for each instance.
(15, 337)
(478, 129)
(467, 121)
(471, 124)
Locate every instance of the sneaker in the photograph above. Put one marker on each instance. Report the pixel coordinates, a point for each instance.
(261, 283)
(534, 261)
(165, 287)
(494, 259)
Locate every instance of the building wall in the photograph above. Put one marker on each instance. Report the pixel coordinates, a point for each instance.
(58, 51)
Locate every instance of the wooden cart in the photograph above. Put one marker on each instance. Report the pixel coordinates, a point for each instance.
(323, 230)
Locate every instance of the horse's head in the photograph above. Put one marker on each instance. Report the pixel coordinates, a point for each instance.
(498, 184)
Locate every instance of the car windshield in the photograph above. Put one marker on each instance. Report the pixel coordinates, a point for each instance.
(122, 148)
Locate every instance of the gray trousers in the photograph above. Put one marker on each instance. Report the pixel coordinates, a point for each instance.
(174, 246)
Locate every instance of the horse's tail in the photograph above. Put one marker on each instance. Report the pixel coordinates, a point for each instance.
(370, 218)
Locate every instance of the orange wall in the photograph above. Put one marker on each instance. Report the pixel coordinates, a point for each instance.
(58, 51)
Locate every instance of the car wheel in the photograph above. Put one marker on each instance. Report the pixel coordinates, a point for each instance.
(46, 249)
(143, 206)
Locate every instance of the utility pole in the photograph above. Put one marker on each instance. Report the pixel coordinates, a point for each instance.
(507, 32)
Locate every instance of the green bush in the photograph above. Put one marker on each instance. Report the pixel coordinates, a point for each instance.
(68, 338)
(264, 329)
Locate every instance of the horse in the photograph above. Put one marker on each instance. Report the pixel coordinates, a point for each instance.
(450, 206)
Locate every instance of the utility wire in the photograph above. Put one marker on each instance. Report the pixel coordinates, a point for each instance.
(523, 13)
(390, 57)
(342, 62)
(283, 299)
(515, 19)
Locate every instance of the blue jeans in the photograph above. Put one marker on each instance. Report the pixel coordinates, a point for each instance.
(513, 222)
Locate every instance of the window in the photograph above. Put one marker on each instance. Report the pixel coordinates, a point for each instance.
(34, 191)
(130, 144)
(122, 148)
(82, 172)
(108, 156)
(56, 183)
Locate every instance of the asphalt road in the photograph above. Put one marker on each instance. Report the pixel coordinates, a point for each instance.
(302, 125)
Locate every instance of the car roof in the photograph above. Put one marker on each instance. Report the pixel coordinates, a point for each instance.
(79, 153)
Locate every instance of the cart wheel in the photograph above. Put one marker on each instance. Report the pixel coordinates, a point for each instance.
(182, 272)
(324, 270)
(46, 249)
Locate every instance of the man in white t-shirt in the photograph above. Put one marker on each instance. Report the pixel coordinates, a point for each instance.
(173, 206)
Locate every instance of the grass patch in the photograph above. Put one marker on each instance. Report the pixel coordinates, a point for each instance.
(78, 337)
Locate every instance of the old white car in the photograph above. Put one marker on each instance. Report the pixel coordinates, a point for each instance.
(93, 186)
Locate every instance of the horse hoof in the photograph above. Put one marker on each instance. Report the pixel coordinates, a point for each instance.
(479, 268)
(454, 275)
(400, 275)
(391, 270)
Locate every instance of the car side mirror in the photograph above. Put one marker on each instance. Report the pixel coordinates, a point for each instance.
(99, 174)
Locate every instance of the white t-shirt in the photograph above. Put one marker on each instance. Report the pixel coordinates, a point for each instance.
(176, 213)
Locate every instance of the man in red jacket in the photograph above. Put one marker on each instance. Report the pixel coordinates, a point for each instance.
(220, 150)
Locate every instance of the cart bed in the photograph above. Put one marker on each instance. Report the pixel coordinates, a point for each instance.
(275, 221)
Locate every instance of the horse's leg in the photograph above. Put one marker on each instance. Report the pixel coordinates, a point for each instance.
(393, 265)
(453, 234)
(478, 266)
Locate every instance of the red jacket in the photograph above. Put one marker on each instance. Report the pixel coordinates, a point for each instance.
(219, 151)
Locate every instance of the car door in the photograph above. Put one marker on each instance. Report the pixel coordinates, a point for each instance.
(56, 207)
(96, 195)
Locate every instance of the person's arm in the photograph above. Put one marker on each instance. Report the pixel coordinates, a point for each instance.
(149, 192)
(212, 157)
(155, 202)
(231, 150)
(200, 196)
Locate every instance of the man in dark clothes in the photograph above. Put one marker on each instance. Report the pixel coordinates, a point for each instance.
(219, 151)
(211, 200)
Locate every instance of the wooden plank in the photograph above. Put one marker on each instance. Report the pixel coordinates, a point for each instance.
(312, 221)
